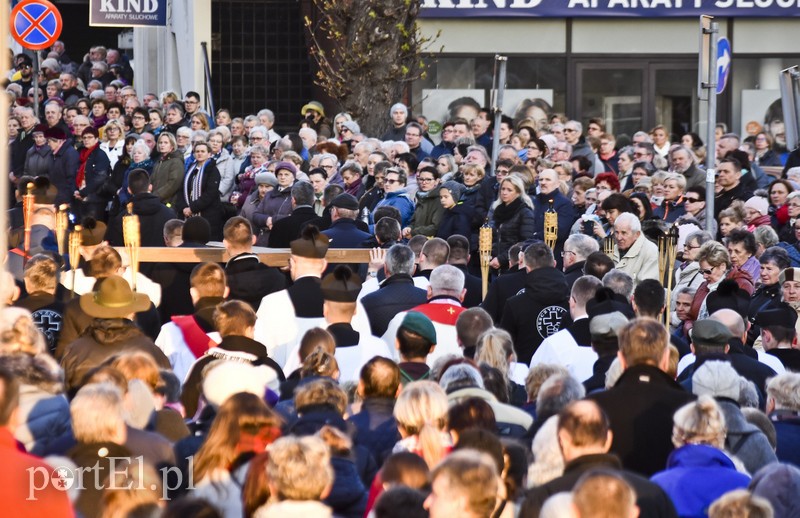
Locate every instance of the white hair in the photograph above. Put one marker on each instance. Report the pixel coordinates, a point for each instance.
(141, 144)
(461, 376)
(582, 245)
(267, 113)
(97, 413)
(447, 279)
(259, 129)
(630, 220)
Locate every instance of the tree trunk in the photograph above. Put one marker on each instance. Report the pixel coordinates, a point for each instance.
(368, 51)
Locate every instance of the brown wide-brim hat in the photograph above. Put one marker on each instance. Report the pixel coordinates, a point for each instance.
(114, 298)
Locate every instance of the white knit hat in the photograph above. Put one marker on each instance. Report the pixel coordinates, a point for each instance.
(717, 379)
(758, 203)
(231, 377)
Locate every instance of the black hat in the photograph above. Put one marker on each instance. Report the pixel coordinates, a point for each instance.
(781, 316)
(55, 133)
(312, 244)
(345, 201)
(605, 301)
(196, 230)
(341, 286)
(728, 295)
(710, 332)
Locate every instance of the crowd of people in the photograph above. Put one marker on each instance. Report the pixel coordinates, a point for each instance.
(593, 378)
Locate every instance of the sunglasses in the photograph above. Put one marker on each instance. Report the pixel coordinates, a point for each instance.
(707, 272)
(392, 181)
(692, 200)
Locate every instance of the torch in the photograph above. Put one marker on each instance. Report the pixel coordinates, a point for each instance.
(551, 226)
(75, 242)
(667, 253)
(28, 202)
(132, 236)
(62, 222)
(485, 251)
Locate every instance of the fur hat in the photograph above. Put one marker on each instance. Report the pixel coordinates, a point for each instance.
(226, 378)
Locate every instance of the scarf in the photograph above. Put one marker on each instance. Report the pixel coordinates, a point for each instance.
(80, 177)
(505, 211)
(256, 441)
(354, 187)
(195, 177)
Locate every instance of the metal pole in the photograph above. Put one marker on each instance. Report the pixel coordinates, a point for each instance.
(498, 108)
(5, 158)
(36, 84)
(711, 139)
(209, 90)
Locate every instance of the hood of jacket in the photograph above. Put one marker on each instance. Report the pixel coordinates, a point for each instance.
(699, 456)
(113, 330)
(40, 371)
(546, 285)
(402, 193)
(146, 204)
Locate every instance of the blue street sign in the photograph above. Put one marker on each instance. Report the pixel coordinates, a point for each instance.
(35, 24)
(723, 64)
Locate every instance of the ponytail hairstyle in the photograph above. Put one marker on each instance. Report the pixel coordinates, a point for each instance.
(421, 411)
(699, 422)
(496, 349)
(320, 363)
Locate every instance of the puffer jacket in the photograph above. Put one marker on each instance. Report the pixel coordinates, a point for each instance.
(427, 214)
(520, 227)
(227, 174)
(167, 177)
(348, 496)
(276, 204)
(38, 160)
(43, 410)
(402, 202)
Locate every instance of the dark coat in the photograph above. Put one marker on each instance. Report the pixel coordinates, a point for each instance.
(62, 172)
(174, 281)
(276, 205)
(348, 496)
(286, 230)
(251, 280)
(478, 209)
(90, 498)
(640, 408)
(19, 153)
(103, 339)
(520, 227)
(540, 311)
(153, 215)
(653, 502)
(96, 172)
(474, 286)
(376, 428)
(503, 288)
(396, 294)
(574, 272)
(38, 160)
(207, 204)
(344, 233)
(47, 313)
(192, 388)
(457, 221)
(566, 217)
(724, 199)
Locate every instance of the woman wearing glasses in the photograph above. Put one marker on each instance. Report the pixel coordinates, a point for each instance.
(715, 267)
(694, 201)
(687, 274)
(773, 262)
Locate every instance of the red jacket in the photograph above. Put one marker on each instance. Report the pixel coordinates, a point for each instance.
(741, 277)
(21, 476)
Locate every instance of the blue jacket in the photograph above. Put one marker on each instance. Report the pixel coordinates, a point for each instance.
(376, 428)
(401, 201)
(344, 233)
(696, 476)
(457, 220)
(62, 172)
(787, 426)
(566, 218)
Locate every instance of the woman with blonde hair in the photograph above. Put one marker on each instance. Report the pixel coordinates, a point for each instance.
(243, 428)
(698, 471)
(495, 348)
(421, 415)
(512, 218)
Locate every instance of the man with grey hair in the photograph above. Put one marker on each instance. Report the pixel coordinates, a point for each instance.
(573, 133)
(620, 283)
(556, 392)
(577, 248)
(463, 381)
(633, 253)
(783, 407)
(267, 119)
(571, 346)
(361, 153)
(445, 294)
(396, 293)
(309, 138)
(683, 161)
(287, 229)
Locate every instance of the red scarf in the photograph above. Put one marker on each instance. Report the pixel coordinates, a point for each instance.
(250, 442)
(84, 156)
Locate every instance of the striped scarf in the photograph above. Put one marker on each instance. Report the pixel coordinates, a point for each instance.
(195, 178)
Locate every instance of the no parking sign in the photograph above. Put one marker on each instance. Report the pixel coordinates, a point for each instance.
(35, 24)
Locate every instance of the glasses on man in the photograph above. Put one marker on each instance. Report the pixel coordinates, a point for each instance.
(570, 130)
(391, 180)
(565, 252)
(424, 180)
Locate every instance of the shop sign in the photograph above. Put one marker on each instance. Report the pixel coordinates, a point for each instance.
(127, 13)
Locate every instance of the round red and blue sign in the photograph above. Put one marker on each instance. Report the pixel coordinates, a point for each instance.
(35, 24)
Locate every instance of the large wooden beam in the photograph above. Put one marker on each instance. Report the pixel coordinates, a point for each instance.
(268, 256)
